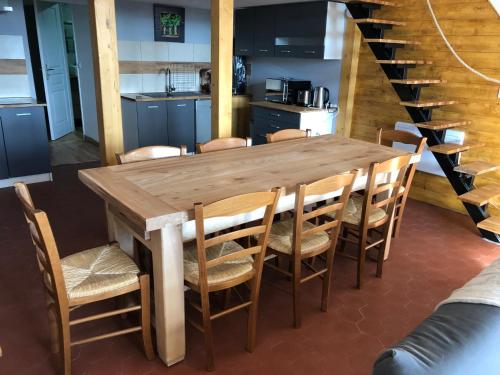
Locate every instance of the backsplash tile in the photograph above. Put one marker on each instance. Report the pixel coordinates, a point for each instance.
(130, 83)
(153, 82)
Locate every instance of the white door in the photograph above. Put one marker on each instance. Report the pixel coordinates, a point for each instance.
(83, 49)
(55, 68)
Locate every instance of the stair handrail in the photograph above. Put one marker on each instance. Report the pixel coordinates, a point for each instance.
(452, 50)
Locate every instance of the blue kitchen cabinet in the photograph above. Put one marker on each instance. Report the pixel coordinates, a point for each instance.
(152, 119)
(203, 121)
(181, 123)
(4, 168)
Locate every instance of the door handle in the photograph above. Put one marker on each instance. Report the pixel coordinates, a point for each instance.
(243, 50)
(181, 105)
(263, 50)
(285, 51)
(311, 52)
(153, 106)
(23, 114)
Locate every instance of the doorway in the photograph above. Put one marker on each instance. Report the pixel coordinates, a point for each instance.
(66, 76)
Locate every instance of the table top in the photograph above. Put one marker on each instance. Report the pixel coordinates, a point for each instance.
(160, 192)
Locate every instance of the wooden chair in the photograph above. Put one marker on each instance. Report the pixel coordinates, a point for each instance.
(299, 239)
(368, 217)
(219, 144)
(219, 263)
(150, 153)
(387, 137)
(82, 278)
(287, 135)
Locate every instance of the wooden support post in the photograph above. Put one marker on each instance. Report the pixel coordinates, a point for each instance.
(222, 67)
(348, 75)
(107, 79)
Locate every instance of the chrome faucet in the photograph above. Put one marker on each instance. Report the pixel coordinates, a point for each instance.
(169, 88)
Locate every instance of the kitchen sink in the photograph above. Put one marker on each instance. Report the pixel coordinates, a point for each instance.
(172, 95)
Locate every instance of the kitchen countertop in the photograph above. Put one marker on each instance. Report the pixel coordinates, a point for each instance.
(288, 107)
(188, 96)
(20, 103)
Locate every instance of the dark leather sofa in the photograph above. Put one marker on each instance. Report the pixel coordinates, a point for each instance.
(457, 339)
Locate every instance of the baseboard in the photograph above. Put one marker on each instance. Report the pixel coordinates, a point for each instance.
(9, 182)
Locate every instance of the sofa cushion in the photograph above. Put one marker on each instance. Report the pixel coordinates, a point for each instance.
(457, 339)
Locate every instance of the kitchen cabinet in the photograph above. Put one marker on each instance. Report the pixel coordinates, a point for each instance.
(25, 139)
(244, 24)
(303, 30)
(152, 123)
(4, 168)
(265, 32)
(181, 123)
(203, 121)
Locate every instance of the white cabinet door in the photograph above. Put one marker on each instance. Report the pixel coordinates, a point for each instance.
(202, 53)
(181, 52)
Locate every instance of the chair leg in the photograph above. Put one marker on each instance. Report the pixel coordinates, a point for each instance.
(207, 330)
(397, 222)
(327, 278)
(296, 292)
(361, 264)
(146, 317)
(380, 259)
(343, 242)
(64, 343)
(252, 316)
(227, 298)
(53, 328)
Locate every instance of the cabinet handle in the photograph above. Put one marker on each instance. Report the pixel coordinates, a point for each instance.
(262, 135)
(23, 114)
(311, 52)
(274, 126)
(153, 106)
(263, 50)
(181, 105)
(275, 114)
(243, 50)
(285, 51)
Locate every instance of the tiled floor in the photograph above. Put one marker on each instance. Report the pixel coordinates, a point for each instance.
(438, 251)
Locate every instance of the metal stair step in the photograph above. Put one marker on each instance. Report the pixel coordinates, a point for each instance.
(491, 224)
(453, 148)
(482, 195)
(392, 41)
(417, 81)
(428, 103)
(476, 168)
(379, 21)
(442, 124)
(372, 2)
(404, 62)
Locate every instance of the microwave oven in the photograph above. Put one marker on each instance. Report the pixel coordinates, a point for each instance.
(285, 90)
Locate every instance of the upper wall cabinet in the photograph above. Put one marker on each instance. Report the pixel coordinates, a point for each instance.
(244, 25)
(305, 30)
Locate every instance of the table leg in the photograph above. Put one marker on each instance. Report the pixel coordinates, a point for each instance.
(168, 271)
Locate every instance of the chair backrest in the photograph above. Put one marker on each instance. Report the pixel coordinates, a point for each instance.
(343, 182)
(45, 246)
(219, 144)
(382, 189)
(388, 137)
(150, 153)
(287, 135)
(233, 206)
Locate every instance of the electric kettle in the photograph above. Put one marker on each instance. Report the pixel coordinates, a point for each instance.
(321, 97)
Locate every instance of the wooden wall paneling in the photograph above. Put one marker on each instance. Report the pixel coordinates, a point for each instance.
(350, 58)
(107, 81)
(222, 67)
(473, 28)
(12, 66)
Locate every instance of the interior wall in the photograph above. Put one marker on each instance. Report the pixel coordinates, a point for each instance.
(13, 24)
(473, 29)
(135, 22)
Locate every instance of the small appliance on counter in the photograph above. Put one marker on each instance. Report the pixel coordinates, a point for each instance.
(321, 97)
(304, 98)
(285, 90)
(205, 80)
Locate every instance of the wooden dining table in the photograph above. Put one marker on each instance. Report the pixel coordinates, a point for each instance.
(152, 202)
